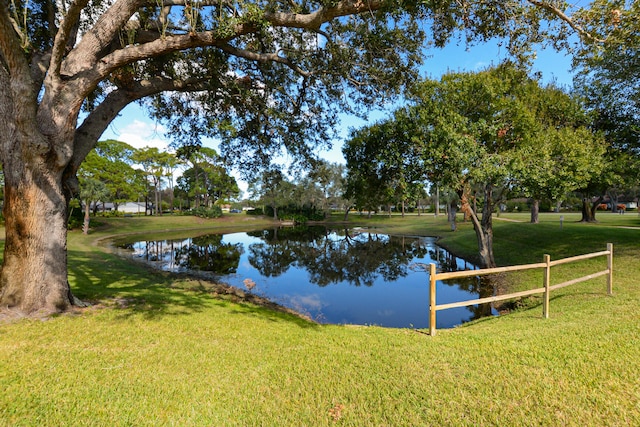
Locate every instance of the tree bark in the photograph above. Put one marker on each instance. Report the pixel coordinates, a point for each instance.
(35, 152)
(451, 213)
(33, 279)
(484, 227)
(535, 211)
(613, 199)
(589, 209)
(85, 224)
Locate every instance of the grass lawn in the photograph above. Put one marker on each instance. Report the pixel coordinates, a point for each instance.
(150, 353)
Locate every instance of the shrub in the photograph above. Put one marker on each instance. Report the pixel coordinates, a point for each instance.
(76, 216)
(513, 206)
(212, 212)
(256, 211)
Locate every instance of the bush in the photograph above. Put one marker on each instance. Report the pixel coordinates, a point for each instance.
(76, 216)
(517, 206)
(212, 212)
(256, 211)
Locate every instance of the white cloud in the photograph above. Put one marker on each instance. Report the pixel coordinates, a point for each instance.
(481, 65)
(307, 302)
(140, 134)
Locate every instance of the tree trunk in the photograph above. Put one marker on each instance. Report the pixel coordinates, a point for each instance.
(613, 199)
(85, 225)
(485, 243)
(33, 279)
(451, 212)
(589, 209)
(156, 196)
(35, 153)
(535, 211)
(484, 227)
(195, 186)
(159, 203)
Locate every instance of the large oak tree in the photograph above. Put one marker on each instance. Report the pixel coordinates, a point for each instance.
(262, 74)
(482, 134)
(499, 129)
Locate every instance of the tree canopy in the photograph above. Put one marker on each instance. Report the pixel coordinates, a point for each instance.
(110, 163)
(384, 166)
(608, 78)
(482, 135)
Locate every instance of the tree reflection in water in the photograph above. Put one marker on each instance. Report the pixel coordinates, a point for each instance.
(209, 253)
(292, 262)
(203, 253)
(334, 256)
(483, 286)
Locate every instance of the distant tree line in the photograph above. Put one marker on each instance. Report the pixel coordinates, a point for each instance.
(116, 173)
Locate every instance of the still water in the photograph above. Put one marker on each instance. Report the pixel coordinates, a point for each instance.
(350, 276)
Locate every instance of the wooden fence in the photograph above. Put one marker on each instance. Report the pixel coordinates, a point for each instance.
(546, 288)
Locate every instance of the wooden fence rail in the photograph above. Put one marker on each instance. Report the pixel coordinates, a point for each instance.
(546, 288)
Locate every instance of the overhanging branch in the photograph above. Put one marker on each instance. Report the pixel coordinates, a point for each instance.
(564, 17)
(96, 123)
(263, 57)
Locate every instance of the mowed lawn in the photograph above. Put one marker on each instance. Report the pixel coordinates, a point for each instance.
(150, 353)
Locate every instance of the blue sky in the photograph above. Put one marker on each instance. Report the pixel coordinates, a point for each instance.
(134, 128)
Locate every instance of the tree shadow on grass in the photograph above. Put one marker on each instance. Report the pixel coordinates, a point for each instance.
(106, 280)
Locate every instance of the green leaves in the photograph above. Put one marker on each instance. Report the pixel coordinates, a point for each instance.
(496, 128)
(501, 127)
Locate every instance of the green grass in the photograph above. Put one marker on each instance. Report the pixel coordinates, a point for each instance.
(149, 353)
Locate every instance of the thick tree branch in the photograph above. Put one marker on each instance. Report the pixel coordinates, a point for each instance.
(564, 17)
(263, 57)
(10, 48)
(96, 123)
(118, 14)
(69, 23)
(7, 127)
(101, 35)
(155, 48)
(315, 19)
(17, 90)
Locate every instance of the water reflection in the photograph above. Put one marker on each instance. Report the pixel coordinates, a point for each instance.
(334, 276)
(205, 253)
(334, 256)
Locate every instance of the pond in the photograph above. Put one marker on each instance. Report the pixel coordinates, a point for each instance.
(352, 276)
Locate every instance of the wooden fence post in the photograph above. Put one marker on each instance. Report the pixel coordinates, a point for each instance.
(432, 299)
(546, 279)
(610, 267)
